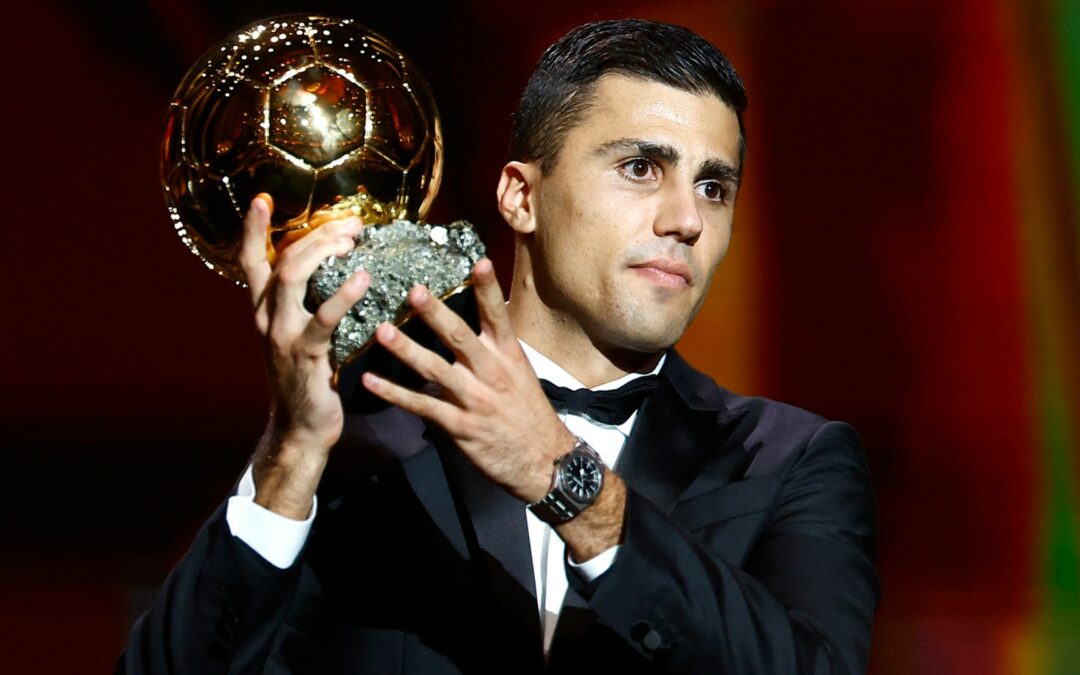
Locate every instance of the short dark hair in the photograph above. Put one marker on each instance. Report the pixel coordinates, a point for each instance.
(561, 88)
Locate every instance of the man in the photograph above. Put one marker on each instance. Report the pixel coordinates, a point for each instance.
(703, 531)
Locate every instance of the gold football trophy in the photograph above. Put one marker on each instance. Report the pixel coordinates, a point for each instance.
(330, 119)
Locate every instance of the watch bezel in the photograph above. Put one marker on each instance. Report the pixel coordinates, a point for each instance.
(568, 481)
(561, 504)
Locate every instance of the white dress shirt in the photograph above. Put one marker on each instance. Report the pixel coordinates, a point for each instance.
(279, 540)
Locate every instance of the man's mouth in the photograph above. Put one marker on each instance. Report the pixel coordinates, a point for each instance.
(666, 272)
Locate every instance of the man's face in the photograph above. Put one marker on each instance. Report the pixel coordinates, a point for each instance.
(636, 215)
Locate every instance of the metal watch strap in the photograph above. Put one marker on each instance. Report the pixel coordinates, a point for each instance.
(557, 506)
(554, 509)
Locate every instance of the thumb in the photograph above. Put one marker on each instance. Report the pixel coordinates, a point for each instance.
(253, 249)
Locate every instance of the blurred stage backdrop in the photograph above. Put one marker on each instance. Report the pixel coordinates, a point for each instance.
(906, 257)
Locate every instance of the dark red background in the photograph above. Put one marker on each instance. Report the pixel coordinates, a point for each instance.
(875, 278)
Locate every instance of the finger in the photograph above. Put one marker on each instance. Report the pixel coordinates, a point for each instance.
(324, 216)
(294, 270)
(426, 363)
(442, 413)
(494, 319)
(298, 241)
(450, 328)
(253, 261)
(333, 310)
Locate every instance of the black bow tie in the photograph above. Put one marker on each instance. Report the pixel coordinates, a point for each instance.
(609, 407)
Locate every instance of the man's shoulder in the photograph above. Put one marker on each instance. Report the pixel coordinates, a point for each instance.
(771, 417)
(770, 432)
(700, 391)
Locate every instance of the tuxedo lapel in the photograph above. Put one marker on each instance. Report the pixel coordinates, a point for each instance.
(676, 429)
(427, 478)
(393, 436)
(666, 449)
(497, 518)
(440, 476)
(500, 534)
(436, 470)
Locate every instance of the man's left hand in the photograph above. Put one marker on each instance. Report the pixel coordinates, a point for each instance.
(491, 402)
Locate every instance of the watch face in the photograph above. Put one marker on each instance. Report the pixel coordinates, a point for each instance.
(581, 477)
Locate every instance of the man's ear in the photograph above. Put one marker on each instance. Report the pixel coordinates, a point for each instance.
(516, 195)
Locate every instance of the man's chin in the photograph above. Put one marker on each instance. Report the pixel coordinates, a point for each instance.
(645, 342)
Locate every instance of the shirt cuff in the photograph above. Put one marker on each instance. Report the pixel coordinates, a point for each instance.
(591, 569)
(276, 538)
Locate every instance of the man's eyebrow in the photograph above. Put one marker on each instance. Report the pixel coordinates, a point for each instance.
(639, 146)
(718, 169)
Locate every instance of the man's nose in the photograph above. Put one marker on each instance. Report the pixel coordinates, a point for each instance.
(679, 215)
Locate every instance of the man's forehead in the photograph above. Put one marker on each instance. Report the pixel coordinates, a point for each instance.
(627, 111)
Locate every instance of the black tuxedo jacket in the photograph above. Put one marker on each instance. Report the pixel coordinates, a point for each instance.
(747, 549)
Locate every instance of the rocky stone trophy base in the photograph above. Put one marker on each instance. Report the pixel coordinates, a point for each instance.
(398, 256)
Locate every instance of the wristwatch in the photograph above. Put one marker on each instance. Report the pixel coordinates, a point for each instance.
(578, 479)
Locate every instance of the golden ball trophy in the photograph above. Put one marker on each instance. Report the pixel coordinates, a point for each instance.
(330, 119)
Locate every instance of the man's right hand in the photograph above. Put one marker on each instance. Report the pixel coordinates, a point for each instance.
(306, 417)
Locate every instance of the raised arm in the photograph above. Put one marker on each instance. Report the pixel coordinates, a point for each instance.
(220, 608)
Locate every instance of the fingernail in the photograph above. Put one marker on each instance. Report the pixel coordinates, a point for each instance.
(388, 331)
(266, 199)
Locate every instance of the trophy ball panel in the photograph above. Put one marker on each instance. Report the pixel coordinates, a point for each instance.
(398, 131)
(266, 54)
(368, 58)
(220, 129)
(216, 209)
(317, 116)
(207, 216)
(383, 182)
(428, 170)
(172, 143)
(290, 185)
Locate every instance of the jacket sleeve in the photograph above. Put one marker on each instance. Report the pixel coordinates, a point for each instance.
(801, 602)
(218, 611)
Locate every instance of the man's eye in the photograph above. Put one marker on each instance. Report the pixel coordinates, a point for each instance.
(639, 169)
(713, 191)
